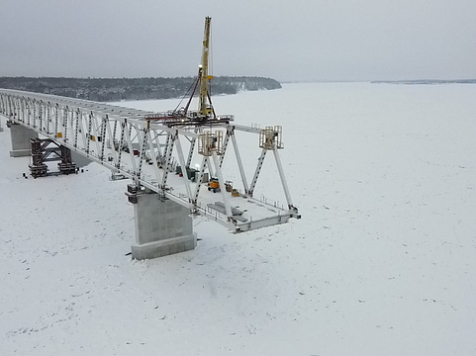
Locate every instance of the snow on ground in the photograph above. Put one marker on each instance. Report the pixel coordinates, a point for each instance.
(382, 263)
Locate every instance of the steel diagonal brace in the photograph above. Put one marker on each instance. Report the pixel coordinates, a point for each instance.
(88, 136)
(184, 169)
(65, 124)
(200, 179)
(192, 147)
(56, 119)
(139, 135)
(210, 168)
(23, 110)
(156, 139)
(136, 135)
(40, 116)
(34, 113)
(257, 172)
(7, 105)
(153, 156)
(131, 153)
(142, 153)
(225, 145)
(14, 108)
(95, 131)
(48, 118)
(168, 156)
(283, 178)
(2, 103)
(28, 113)
(114, 131)
(105, 120)
(222, 186)
(17, 104)
(121, 143)
(78, 116)
(20, 109)
(111, 138)
(21, 117)
(239, 161)
(10, 107)
(83, 134)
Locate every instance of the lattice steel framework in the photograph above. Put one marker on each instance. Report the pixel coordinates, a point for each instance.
(145, 148)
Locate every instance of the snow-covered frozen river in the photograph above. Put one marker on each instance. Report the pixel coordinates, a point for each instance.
(383, 261)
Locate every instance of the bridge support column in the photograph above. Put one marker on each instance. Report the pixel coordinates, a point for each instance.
(21, 137)
(162, 227)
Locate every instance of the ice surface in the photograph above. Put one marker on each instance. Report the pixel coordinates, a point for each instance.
(382, 263)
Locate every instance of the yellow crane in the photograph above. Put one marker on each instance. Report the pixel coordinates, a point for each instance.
(206, 112)
(205, 107)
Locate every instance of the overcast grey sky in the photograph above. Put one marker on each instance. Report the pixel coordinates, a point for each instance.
(286, 40)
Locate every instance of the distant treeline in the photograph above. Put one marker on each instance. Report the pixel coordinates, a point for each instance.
(428, 81)
(116, 89)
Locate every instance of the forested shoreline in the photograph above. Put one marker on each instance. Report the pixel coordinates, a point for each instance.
(117, 89)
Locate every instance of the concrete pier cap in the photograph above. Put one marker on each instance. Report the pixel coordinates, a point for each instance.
(162, 227)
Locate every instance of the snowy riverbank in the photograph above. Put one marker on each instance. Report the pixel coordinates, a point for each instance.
(382, 263)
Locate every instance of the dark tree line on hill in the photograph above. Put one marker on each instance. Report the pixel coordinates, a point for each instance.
(116, 89)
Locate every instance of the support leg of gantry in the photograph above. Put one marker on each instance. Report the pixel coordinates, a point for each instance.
(162, 227)
(21, 136)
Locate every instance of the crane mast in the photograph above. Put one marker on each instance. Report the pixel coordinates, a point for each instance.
(205, 113)
(205, 108)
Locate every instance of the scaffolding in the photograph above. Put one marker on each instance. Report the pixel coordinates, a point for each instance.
(47, 150)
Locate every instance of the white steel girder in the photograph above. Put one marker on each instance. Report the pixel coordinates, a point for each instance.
(146, 151)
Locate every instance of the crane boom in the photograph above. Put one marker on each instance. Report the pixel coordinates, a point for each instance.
(205, 108)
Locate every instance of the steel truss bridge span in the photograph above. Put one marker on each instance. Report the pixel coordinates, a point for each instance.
(150, 151)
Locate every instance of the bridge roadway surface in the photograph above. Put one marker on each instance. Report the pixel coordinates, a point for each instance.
(91, 128)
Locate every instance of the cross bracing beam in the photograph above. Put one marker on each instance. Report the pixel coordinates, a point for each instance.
(147, 151)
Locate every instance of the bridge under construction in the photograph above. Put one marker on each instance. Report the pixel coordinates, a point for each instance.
(155, 151)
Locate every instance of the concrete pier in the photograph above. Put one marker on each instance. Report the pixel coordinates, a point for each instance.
(21, 137)
(162, 227)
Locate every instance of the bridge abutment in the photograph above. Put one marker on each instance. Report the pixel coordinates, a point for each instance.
(162, 226)
(21, 137)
